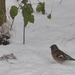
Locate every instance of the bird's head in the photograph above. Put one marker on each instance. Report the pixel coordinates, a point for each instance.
(54, 47)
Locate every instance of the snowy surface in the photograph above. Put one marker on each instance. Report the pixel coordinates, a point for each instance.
(34, 58)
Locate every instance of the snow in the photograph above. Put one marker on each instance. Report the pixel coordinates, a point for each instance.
(34, 57)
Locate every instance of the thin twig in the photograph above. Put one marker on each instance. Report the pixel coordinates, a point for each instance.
(12, 24)
(6, 57)
(60, 1)
(9, 62)
(24, 35)
(52, 6)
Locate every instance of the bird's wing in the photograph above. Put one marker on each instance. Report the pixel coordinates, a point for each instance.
(63, 56)
(60, 55)
(67, 57)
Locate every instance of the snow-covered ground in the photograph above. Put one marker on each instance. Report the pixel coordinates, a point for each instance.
(34, 58)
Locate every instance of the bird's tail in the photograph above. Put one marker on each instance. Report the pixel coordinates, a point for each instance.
(72, 59)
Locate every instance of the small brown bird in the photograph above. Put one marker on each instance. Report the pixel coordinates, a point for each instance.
(59, 55)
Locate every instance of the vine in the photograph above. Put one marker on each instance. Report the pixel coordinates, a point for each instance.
(27, 11)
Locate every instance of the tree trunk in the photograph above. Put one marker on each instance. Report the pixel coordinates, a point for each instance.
(3, 10)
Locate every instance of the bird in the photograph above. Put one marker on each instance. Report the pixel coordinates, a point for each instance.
(59, 55)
